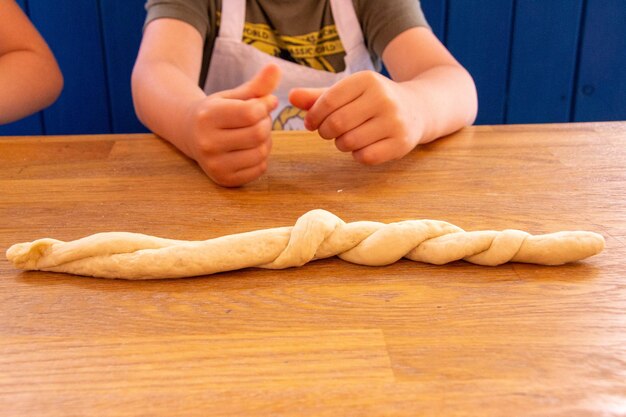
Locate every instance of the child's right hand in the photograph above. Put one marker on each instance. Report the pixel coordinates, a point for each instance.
(229, 131)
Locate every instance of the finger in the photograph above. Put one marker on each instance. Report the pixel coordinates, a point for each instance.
(304, 98)
(379, 152)
(246, 158)
(347, 118)
(337, 96)
(262, 84)
(239, 178)
(233, 114)
(242, 166)
(364, 135)
(247, 137)
(247, 175)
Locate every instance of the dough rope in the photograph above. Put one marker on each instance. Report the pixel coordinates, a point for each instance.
(317, 234)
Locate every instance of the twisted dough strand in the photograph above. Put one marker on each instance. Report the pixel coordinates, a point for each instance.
(317, 234)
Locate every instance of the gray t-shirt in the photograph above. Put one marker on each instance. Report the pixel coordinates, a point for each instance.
(301, 31)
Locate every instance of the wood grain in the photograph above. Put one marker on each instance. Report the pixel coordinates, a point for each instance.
(330, 338)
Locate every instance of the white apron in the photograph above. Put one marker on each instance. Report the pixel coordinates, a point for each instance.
(234, 62)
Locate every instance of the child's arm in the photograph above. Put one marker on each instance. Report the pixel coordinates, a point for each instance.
(378, 119)
(30, 79)
(227, 133)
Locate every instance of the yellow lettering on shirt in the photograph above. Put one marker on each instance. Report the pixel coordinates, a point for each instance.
(310, 49)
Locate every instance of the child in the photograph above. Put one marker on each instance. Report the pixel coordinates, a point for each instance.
(30, 79)
(208, 79)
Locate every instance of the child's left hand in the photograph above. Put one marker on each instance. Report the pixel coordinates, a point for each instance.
(367, 114)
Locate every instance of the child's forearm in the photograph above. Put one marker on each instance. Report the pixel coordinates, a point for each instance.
(446, 98)
(29, 81)
(163, 96)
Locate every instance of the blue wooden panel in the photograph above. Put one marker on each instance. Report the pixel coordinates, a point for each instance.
(478, 35)
(435, 11)
(601, 89)
(72, 29)
(28, 126)
(122, 22)
(96, 42)
(543, 61)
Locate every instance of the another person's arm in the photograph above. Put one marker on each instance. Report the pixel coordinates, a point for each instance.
(227, 133)
(30, 79)
(377, 119)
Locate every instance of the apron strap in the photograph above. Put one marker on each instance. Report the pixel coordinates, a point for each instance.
(232, 19)
(347, 23)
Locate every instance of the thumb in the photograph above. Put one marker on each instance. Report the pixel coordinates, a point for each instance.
(305, 98)
(262, 84)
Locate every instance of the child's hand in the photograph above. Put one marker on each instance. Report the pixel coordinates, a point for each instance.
(229, 132)
(366, 113)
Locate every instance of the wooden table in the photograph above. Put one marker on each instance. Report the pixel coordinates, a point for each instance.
(330, 338)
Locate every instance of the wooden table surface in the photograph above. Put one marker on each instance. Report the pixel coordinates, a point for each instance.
(329, 338)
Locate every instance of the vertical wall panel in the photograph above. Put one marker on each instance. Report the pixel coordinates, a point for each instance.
(435, 11)
(543, 62)
(478, 36)
(96, 42)
(72, 30)
(601, 89)
(28, 126)
(122, 22)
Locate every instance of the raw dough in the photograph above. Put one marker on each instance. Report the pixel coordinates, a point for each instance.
(317, 234)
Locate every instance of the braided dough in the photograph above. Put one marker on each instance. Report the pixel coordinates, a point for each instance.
(317, 234)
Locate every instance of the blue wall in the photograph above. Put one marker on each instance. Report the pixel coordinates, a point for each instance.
(534, 61)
